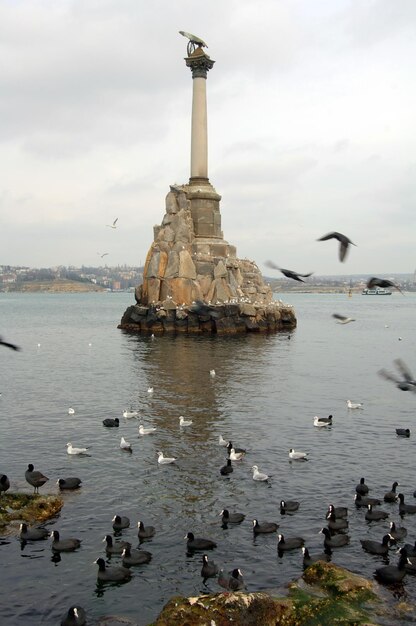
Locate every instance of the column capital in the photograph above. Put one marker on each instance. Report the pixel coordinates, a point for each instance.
(199, 63)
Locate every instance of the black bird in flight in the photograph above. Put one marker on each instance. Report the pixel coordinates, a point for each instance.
(9, 345)
(343, 240)
(407, 383)
(382, 282)
(287, 273)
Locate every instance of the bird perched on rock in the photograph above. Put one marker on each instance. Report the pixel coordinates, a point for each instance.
(69, 483)
(4, 484)
(35, 478)
(382, 282)
(343, 240)
(288, 273)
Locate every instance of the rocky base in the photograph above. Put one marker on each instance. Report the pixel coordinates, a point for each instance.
(22, 507)
(326, 594)
(221, 319)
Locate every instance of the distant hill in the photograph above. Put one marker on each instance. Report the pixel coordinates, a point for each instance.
(57, 285)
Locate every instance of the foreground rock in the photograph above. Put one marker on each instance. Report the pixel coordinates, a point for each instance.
(325, 594)
(30, 508)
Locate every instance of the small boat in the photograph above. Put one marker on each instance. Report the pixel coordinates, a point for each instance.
(378, 291)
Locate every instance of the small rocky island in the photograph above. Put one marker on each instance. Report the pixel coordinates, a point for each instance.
(193, 280)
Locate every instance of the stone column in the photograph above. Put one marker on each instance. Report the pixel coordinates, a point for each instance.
(200, 64)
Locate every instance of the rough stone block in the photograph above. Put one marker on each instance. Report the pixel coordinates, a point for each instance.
(247, 309)
(181, 290)
(170, 203)
(196, 293)
(206, 230)
(186, 265)
(153, 290)
(182, 201)
(204, 268)
(153, 267)
(220, 271)
(172, 268)
(205, 283)
(169, 304)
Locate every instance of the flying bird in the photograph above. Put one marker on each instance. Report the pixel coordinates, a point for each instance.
(342, 319)
(382, 282)
(407, 383)
(343, 240)
(12, 346)
(114, 224)
(287, 273)
(105, 253)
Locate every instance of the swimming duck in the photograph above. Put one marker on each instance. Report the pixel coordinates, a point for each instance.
(397, 533)
(4, 484)
(115, 547)
(288, 506)
(375, 516)
(405, 508)
(265, 527)
(209, 568)
(111, 423)
(322, 422)
(365, 500)
(335, 541)
(362, 488)
(339, 511)
(135, 557)
(75, 616)
(391, 496)
(227, 469)
(289, 544)
(32, 534)
(145, 533)
(375, 547)
(120, 522)
(69, 483)
(335, 523)
(199, 543)
(64, 545)
(391, 574)
(297, 455)
(111, 574)
(231, 518)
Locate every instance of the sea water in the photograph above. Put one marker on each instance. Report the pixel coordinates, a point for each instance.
(265, 393)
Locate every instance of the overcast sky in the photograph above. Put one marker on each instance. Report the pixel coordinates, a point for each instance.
(311, 128)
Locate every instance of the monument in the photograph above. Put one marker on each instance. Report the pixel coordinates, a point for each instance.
(193, 280)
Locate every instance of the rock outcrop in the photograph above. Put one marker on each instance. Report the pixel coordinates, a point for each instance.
(190, 262)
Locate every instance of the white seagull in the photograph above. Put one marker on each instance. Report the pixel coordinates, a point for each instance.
(146, 431)
(130, 413)
(114, 224)
(150, 390)
(125, 445)
(236, 456)
(71, 411)
(297, 456)
(354, 405)
(71, 450)
(212, 373)
(258, 475)
(222, 441)
(321, 422)
(163, 460)
(184, 422)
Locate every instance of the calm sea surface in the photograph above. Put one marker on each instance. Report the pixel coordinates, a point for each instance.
(266, 391)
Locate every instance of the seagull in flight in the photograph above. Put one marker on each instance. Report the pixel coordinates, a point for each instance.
(103, 255)
(114, 224)
(382, 282)
(341, 319)
(12, 346)
(287, 273)
(407, 383)
(343, 240)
